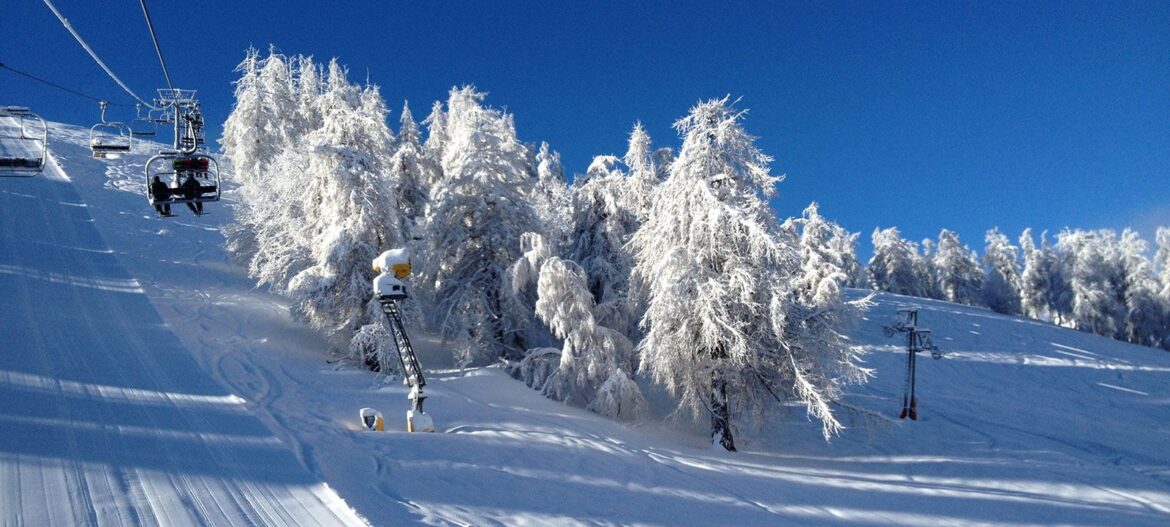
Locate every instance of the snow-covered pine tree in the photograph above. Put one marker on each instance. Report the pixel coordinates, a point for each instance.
(600, 227)
(1001, 285)
(409, 168)
(924, 267)
(1146, 314)
(1162, 265)
(590, 368)
(262, 125)
(827, 253)
(722, 315)
(1035, 279)
(643, 176)
(1058, 264)
(663, 157)
(1162, 261)
(959, 274)
(551, 198)
(1095, 280)
(478, 211)
(351, 213)
(436, 124)
(892, 268)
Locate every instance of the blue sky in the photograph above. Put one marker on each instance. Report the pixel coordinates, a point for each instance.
(922, 115)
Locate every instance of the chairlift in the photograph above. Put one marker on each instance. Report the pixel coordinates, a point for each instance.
(174, 168)
(143, 125)
(24, 140)
(109, 140)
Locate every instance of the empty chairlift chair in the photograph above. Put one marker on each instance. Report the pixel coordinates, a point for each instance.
(174, 168)
(110, 139)
(24, 140)
(143, 126)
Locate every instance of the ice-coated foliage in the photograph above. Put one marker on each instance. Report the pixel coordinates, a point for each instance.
(1095, 281)
(926, 271)
(725, 333)
(1162, 260)
(960, 277)
(409, 168)
(351, 214)
(893, 267)
(551, 198)
(317, 196)
(600, 227)
(828, 257)
(643, 176)
(478, 211)
(589, 371)
(1034, 280)
(1001, 286)
(1146, 315)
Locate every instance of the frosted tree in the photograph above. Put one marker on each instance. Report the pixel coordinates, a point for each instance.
(409, 168)
(1001, 285)
(261, 127)
(1162, 261)
(827, 253)
(1059, 265)
(1034, 280)
(600, 228)
(351, 213)
(1162, 264)
(927, 272)
(1095, 281)
(959, 274)
(590, 368)
(663, 157)
(551, 197)
(643, 176)
(1146, 314)
(724, 331)
(436, 124)
(478, 211)
(892, 268)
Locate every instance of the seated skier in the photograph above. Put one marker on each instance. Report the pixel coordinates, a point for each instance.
(191, 191)
(161, 194)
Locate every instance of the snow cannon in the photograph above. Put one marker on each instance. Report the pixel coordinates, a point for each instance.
(396, 261)
(372, 420)
(393, 266)
(388, 287)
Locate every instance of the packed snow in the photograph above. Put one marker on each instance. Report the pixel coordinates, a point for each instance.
(147, 381)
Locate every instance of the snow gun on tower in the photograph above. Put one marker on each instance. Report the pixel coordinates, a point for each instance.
(392, 266)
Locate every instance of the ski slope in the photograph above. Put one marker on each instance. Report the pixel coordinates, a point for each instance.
(147, 382)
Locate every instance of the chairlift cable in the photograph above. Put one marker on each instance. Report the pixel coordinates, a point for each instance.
(157, 49)
(55, 85)
(76, 36)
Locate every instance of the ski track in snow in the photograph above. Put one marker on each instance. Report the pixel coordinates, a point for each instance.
(233, 416)
(108, 420)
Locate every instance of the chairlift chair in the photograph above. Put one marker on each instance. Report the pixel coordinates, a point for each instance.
(174, 167)
(109, 140)
(143, 125)
(24, 140)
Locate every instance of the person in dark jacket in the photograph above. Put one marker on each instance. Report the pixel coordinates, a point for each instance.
(161, 194)
(191, 191)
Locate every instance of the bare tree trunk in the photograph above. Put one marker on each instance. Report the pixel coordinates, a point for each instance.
(720, 412)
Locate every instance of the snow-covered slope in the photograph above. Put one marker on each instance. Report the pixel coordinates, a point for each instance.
(145, 381)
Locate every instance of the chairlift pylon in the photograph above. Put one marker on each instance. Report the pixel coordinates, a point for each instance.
(24, 142)
(110, 139)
